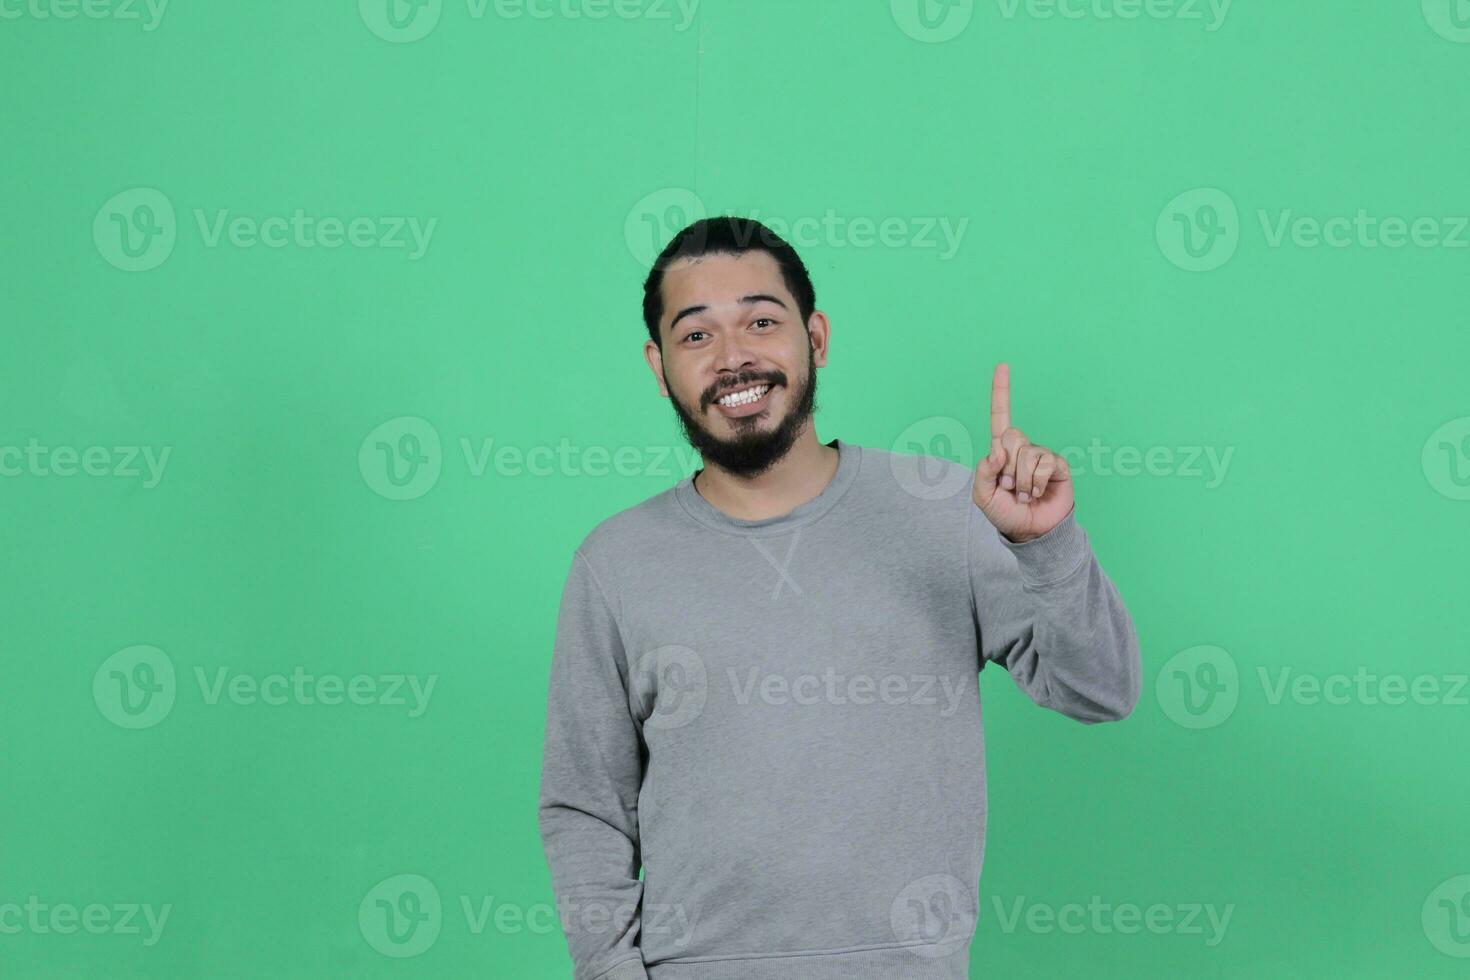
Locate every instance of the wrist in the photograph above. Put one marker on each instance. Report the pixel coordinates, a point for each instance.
(1053, 555)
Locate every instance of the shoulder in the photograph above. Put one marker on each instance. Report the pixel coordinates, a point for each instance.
(919, 481)
(633, 533)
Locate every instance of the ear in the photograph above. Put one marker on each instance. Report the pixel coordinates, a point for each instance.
(655, 359)
(820, 331)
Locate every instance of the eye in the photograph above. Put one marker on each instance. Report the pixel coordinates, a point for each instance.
(691, 334)
(765, 319)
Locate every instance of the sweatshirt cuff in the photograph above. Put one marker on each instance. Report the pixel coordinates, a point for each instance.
(1053, 556)
(629, 969)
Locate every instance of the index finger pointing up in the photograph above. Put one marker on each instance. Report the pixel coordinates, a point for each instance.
(1000, 400)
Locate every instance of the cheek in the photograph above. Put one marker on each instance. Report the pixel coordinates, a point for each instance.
(688, 394)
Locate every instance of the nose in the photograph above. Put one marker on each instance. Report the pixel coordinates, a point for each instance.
(733, 351)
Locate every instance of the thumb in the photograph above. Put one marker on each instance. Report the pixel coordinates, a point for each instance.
(988, 472)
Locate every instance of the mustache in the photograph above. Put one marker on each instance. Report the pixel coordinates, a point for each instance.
(744, 381)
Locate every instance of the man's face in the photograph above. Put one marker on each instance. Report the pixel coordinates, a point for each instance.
(729, 325)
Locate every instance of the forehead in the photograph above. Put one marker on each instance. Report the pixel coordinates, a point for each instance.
(718, 281)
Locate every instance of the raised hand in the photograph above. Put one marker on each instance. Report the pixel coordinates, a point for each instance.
(1024, 489)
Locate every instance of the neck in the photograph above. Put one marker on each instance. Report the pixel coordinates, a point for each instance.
(797, 477)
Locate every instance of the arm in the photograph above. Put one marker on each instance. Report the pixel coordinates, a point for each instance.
(1043, 606)
(1047, 612)
(591, 773)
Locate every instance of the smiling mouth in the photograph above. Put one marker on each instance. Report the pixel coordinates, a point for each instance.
(744, 396)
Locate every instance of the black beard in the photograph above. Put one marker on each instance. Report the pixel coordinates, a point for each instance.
(752, 451)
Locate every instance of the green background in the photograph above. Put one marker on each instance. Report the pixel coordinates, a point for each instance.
(556, 154)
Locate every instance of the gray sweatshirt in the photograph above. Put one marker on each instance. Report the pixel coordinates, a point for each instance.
(779, 721)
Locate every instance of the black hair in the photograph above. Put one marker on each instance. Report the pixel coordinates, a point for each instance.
(726, 235)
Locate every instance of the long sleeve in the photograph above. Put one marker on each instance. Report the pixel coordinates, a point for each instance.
(591, 773)
(1048, 613)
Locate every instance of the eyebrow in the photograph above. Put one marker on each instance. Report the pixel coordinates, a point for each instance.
(750, 300)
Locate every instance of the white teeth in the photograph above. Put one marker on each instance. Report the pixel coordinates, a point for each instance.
(744, 397)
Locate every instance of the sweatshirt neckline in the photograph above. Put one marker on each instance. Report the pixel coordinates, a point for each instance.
(849, 456)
